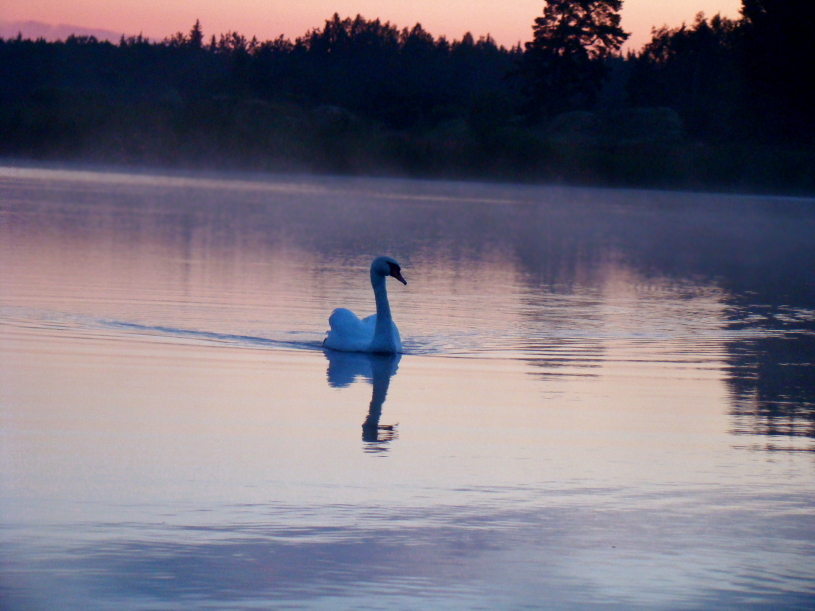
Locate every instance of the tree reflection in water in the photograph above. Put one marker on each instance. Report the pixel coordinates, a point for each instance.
(345, 367)
(771, 375)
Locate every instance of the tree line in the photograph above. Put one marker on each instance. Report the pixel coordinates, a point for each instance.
(707, 102)
(750, 79)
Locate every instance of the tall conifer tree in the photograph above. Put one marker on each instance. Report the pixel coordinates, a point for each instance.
(565, 63)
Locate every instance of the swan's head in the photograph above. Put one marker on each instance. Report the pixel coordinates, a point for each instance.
(386, 266)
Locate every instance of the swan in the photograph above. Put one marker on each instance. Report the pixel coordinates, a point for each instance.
(376, 333)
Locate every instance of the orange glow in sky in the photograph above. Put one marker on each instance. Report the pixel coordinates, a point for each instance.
(507, 22)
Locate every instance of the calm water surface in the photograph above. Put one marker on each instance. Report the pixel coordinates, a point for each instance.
(607, 398)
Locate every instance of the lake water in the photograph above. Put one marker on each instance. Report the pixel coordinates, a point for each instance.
(607, 398)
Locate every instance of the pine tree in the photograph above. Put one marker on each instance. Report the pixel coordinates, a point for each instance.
(565, 64)
(196, 36)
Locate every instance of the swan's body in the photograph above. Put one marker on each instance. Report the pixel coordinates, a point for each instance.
(376, 333)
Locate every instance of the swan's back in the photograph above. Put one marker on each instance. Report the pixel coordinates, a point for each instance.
(348, 333)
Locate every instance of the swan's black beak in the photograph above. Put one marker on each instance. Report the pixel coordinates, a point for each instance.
(396, 272)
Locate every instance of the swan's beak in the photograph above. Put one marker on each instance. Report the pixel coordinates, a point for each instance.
(398, 275)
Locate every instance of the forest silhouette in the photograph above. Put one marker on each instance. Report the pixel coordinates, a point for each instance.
(719, 103)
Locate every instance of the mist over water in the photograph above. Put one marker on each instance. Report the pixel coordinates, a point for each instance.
(607, 397)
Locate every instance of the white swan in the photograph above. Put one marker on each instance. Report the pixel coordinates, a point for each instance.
(376, 333)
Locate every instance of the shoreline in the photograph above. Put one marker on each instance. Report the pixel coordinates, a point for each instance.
(567, 165)
(208, 176)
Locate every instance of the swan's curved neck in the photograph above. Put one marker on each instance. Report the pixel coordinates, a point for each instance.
(386, 337)
(383, 308)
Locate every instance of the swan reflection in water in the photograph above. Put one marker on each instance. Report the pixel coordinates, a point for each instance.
(345, 367)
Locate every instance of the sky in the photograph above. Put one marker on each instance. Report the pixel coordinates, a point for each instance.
(508, 21)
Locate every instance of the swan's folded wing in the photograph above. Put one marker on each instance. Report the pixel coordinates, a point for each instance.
(343, 318)
(348, 333)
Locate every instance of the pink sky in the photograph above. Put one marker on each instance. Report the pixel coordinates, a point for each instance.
(508, 22)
